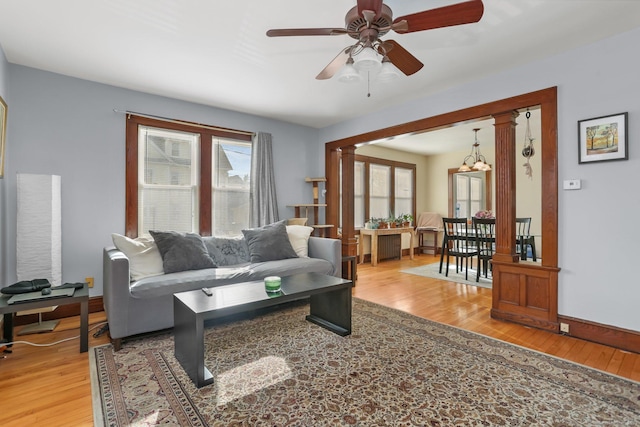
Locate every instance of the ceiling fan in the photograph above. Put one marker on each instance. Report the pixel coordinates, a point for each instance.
(372, 19)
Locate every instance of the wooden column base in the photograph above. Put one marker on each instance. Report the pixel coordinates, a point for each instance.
(526, 293)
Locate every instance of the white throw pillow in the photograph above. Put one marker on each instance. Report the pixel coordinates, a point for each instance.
(144, 256)
(299, 238)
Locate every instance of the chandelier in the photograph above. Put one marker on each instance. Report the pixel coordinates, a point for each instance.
(475, 158)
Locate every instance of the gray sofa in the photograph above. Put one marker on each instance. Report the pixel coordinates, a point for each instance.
(146, 305)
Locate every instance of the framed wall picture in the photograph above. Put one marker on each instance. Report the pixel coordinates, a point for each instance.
(603, 138)
(3, 133)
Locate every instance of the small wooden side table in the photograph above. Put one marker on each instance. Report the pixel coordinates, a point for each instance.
(80, 296)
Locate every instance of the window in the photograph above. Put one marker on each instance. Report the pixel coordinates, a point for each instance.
(404, 191)
(379, 191)
(175, 149)
(382, 188)
(186, 177)
(230, 199)
(469, 196)
(168, 185)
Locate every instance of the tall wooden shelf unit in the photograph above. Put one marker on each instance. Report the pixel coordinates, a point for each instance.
(320, 229)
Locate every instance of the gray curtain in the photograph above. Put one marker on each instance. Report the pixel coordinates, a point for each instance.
(264, 206)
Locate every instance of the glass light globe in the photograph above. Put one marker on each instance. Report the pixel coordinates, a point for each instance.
(367, 60)
(388, 72)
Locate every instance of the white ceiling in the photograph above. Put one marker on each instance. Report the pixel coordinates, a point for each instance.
(216, 52)
(461, 136)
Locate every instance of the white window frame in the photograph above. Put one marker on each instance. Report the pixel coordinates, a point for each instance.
(144, 187)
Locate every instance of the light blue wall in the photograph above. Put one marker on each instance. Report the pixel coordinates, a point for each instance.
(597, 233)
(4, 93)
(66, 126)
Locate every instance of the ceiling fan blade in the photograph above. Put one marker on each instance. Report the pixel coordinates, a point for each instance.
(333, 67)
(401, 58)
(401, 26)
(306, 32)
(373, 5)
(446, 16)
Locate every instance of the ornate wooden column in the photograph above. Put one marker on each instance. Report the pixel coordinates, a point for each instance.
(523, 292)
(505, 176)
(332, 172)
(349, 243)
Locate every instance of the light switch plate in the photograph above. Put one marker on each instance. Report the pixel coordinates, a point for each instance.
(571, 184)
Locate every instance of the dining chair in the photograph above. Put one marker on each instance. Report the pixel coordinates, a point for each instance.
(485, 229)
(459, 242)
(524, 239)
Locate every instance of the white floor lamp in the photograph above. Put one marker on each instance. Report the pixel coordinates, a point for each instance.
(39, 237)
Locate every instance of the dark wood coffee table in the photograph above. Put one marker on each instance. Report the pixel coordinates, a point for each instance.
(330, 307)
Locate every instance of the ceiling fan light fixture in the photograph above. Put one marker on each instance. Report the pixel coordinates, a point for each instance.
(367, 60)
(388, 72)
(348, 73)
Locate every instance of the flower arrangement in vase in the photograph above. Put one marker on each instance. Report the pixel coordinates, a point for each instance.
(484, 215)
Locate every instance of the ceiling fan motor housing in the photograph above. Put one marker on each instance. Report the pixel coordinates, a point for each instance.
(355, 24)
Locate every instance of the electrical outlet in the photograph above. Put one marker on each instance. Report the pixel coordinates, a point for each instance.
(564, 328)
(89, 280)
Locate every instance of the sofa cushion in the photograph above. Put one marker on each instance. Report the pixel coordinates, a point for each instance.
(299, 238)
(227, 250)
(269, 243)
(182, 252)
(144, 258)
(168, 284)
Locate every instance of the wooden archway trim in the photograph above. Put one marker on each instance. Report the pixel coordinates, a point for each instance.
(523, 292)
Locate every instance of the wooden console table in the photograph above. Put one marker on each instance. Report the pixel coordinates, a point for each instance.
(373, 236)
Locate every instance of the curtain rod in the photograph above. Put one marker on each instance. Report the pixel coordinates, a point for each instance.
(182, 122)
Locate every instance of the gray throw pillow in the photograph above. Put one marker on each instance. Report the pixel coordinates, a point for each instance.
(182, 252)
(269, 243)
(227, 250)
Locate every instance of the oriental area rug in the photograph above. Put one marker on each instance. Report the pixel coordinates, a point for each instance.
(433, 271)
(395, 369)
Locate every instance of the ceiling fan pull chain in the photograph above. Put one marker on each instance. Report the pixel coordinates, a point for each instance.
(368, 84)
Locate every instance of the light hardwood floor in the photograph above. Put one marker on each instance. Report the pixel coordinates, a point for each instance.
(51, 385)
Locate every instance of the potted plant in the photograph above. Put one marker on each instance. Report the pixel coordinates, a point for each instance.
(391, 221)
(373, 223)
(407, 219)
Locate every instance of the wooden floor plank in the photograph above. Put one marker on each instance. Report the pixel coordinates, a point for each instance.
(49, 385)
(469, 307)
